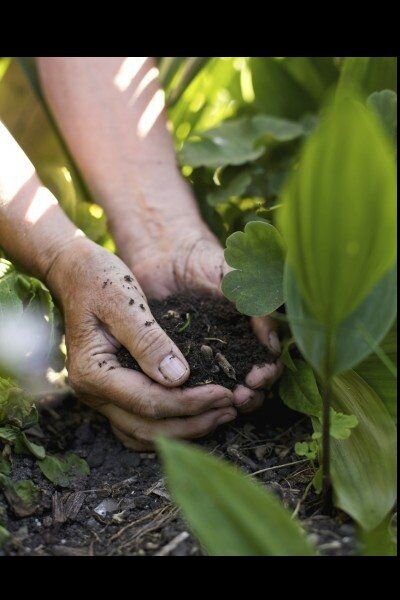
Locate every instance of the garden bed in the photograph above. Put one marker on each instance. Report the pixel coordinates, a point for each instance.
(141, 519)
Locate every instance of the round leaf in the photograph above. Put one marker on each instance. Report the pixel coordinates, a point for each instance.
(256, 284)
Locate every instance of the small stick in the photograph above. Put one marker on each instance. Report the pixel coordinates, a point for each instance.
(296, 462)
(174, 543)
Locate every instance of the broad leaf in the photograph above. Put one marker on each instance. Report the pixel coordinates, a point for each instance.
(363, 467)
(298, 390)
(256, 284)
(368, 74)
(384, 103)
(23, 496)
(339, 213)
(380, 541)
(16, 405)
(4, 536)
(355, 338)
(63, 471)
(5, 467)
(237, 142)
(377, 374)
(235, 188)
(230, 515)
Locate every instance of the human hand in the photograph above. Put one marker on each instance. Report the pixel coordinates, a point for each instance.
(193, 260)
(104, 307)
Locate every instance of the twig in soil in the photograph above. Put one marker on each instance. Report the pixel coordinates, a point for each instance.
(211, 339)
(301, 500)
(140, 520)
(296, 462)
(225, 366)
(235, 453)
(173, 544)
(151, 527)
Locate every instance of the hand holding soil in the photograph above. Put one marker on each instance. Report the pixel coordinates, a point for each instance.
(104, 308)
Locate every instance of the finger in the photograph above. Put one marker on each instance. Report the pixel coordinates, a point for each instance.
(125, 311)
(135, 393)
(145, 430)
(264, 375)
(247, 400)
(265, 329)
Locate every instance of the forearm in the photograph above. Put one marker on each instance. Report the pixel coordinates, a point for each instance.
(33, 228)
(111, 113)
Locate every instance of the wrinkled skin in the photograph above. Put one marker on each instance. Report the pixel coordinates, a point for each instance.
(100, 317)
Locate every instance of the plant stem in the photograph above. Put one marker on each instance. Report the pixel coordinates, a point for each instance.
(326, 447)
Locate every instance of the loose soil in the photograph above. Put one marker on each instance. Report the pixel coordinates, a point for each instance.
(215, 339)
(123, 507)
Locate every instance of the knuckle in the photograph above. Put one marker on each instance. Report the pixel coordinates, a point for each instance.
(148, 341)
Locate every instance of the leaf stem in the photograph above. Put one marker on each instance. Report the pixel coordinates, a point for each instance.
(326, 447)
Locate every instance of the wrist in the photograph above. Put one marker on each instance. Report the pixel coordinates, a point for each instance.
(66, 263)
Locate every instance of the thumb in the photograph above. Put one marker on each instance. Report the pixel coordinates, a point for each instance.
(155, 352)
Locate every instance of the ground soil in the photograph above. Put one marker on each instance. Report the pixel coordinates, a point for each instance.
(216, 340)
(123, 506)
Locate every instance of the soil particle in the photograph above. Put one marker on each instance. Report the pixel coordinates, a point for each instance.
(131, 301)
(142, 306)
(128, 278)
(215, 339)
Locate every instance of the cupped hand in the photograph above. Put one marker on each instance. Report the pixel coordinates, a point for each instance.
(104, 307)
(193, 261)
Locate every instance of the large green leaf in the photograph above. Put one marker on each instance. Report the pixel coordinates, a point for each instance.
(384, 103)
(368, 74)
(298, 390)
(22, 496)
(16, 404)
(230, 515)
(358, 334)
(339, 212)
(363, 467)
(238, 141)
(377, 374)
(62, 471)
(257, 255)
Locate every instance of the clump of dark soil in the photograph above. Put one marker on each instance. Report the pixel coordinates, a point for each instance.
(217, 341)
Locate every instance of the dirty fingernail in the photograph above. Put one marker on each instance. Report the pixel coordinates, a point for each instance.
(274, 342)
(172, 367)
(225, 418)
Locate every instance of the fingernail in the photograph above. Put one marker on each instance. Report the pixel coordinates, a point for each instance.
(172, 367)
(274, 343)
(244, 401)
(225, 418)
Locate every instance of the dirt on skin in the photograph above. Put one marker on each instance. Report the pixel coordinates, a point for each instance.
(123, 507)
(216, 340)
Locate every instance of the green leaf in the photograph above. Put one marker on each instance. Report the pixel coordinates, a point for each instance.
(339, 212)
(230, 515)
(307, 449)
(257, 256)
(377, 375)
(5, 467)
(380, 541)
(4, 536)
(23, 496)
(285, 356)
(341, 425)
(363, 467)
(24, 446)
(298, 390)
(237, 142)
(351, 344)
(235, 188)
(368, 74)
(16, 405)
(63, 471)
(384, 103)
